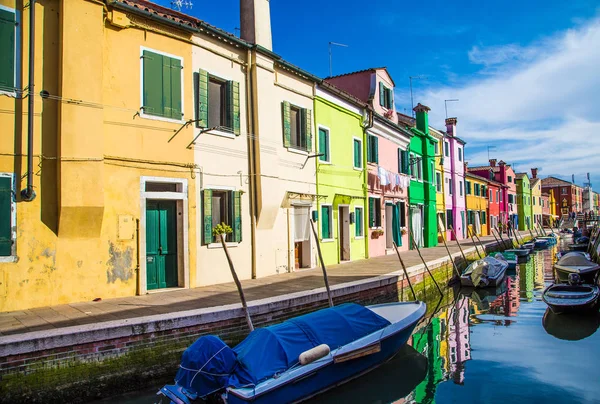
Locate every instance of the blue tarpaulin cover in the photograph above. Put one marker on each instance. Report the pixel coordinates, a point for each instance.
(206, 366)
(271, 350)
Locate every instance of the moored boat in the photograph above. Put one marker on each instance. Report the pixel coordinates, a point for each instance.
(297, 359)
(519, 252)
(576, 264)
(485, 272)
(563, 298)
(540, 244)
(561, 254)
(509, 257)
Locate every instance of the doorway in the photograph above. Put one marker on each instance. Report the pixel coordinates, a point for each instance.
(161, 244)
(344, 232)
(389, 225)
(301, 237)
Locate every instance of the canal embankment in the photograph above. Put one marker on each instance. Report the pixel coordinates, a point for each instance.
(118, 345)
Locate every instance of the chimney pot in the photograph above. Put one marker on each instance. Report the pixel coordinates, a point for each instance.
(493, 162)
(451, 126)
(534, 172)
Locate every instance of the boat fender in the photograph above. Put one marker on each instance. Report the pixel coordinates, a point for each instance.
(313, 354)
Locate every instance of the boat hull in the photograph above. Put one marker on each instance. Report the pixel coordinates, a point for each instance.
(562, 275)
(520, 252)
(331, 375)
(578, 247)
(571, 298)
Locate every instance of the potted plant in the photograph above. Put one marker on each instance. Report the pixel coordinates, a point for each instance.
(222, 230)
(377, 233)
(389, 114)
(403, 230)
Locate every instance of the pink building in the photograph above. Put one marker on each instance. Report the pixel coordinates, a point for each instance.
(453, 150)
(387, 143)
(459, 339)
(504, 174)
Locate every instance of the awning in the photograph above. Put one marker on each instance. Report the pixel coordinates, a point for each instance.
(343, 199)
(300, 198)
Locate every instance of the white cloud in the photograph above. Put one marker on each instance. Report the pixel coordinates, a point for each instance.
(539, 105)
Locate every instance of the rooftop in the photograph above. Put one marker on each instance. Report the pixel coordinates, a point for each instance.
(370, 69)
(553, 182)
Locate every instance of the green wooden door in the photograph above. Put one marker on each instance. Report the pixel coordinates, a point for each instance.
(462, 218)
(161, 244)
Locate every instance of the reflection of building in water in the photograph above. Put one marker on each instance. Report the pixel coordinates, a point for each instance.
(458, 339)
(513, 295)
(444, 351)
(526, 281)
(539, 270)
(427, 341)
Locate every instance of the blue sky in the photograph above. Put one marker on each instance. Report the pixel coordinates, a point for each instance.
(526, 72)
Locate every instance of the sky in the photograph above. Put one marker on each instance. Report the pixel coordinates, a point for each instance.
(526, 73)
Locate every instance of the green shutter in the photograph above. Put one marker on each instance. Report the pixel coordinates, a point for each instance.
(237, 216)
(375, 152)
(405, 162)
(390, 99)
(371, 212)
(323, 145)
(167, 100)
(325, 229)
(175, 81)
(307, 127)
(202, 100)
(5, 216)
(287, 126)
(153, 83)
(207, 199)
(358, 222)
(357, 154)
(381, 94)
(7, 44)
(369, 154)
(233, 106)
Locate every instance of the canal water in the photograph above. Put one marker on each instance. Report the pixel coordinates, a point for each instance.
(483, 346)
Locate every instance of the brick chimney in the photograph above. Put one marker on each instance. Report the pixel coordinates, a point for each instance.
(493, 162)
(255, 22)
(503, 177)
(422, 117)
(451, 126)
(534, 172)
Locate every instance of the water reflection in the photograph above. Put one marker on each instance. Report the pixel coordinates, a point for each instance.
(572, 326)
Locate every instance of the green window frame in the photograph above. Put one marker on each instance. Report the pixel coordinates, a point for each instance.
(404, 161)
(231, 209)
(324, 148)
(357, 152)
(483, 217)
(162, 91)
(228, 102)
(449, 218)
(302, 129)
(7, 216)
(372, 149)
(468, 187)
(326, 222)
(374, 212)
(8, 56)
(359, 230)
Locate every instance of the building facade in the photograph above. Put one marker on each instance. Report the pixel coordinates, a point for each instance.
(536, 198)
(438, 180)
(453, 150)
(524, 201)
(565, 195)
(477, 204)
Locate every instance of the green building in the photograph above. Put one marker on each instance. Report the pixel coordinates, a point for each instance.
(525, 208)
(341, 175)
(422, 193)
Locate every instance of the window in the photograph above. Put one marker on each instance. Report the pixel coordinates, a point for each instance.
(449, 219)
(509, 178)
(324, 145)
(7, 216)
(433, 177)
(419, 168)
(491, 197)
(468, 187)
(402, 207)
(450, 190)
(511, 198)
(372, 149)
(483, 217)
(447, 149)
(563, 191)
(297, 127)
(162, 92)
(218, 103)
(436, 147)
(358, 222)
(438, 182)
(460, 187)
(413, 168)
(534, 201)
(374, 212)
(477, 189)
(222, 206)
(8, 30)
(326, 222)
(497, 197)
(385, 96)
(357, 144)
(500, 196)
(460, 154)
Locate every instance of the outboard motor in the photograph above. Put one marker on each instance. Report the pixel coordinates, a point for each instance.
(575, 279)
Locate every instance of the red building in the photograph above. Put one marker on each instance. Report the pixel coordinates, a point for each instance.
(568, 196)
(504, 176)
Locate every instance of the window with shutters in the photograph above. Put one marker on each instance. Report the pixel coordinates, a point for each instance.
(357, 152)
(374, 212)
(297, 127)
(460, 156)
(403, 161)
(386, 99)
(217, 104)
(222, 206)
(326, 222)
(460, 188)
(7, 218)
(468, 187)
(449, 218)
(8, 55)
(446, 149)
(372, 149)
(450, 187)
(483, 217)
(324, 150)
(477, 189)
(359, 230)
(438, 182)
(162, 90)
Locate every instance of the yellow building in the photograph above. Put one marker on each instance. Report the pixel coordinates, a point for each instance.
(477, 204)
(440, 201)
(536, 197)
(99, 204)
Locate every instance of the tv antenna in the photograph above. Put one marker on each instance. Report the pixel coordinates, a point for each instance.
(412, 104)
(179, 4)
(446, 105)
(335, 44)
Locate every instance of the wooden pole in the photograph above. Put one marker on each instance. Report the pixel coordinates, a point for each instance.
(237, 284)
(530, 232)
(424, 263)
(405, 272)
(312, 226)
(494, 234)
(501, 239)
(448, 251)
(459, 247)
(480, 243)
(474, 243)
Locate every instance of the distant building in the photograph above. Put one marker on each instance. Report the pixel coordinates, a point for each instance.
(566, 194)
(524, 201)
(536, 197)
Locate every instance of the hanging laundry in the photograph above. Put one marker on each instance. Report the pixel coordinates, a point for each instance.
(383, 179)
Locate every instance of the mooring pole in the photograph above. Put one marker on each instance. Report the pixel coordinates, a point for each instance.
(448, 251)
(459, 247)
(405, 271)
(312, 226)
(530, 232)
(501, 239)
(424, 263)
(480, 243)
(474, 243)
(237, 284)
(494, 234)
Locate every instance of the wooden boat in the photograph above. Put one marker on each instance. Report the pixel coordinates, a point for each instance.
(540, 244)
(297, 359)
(509, 257)
(485, 272)
(576, 264)
(563, 298)
(519, 252)
(561, 254)
(578, 247)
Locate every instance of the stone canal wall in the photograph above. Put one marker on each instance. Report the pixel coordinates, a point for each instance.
(77, 364)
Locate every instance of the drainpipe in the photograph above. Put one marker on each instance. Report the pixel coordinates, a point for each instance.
(366, 126)
(251, 171)
(28, 194)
